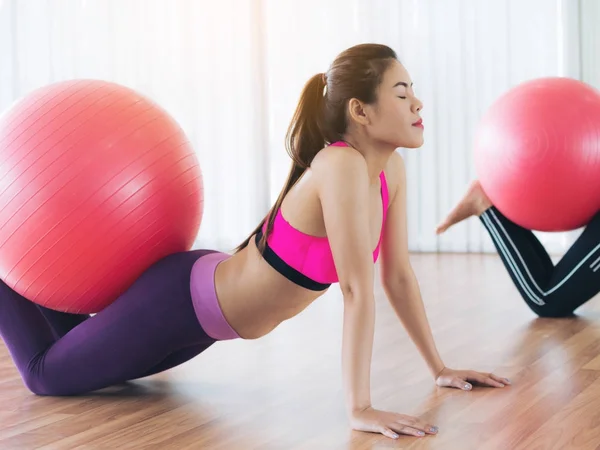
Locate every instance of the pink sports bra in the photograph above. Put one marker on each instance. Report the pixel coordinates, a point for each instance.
(304, 259)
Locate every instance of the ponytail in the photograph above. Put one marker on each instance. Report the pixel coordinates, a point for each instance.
(304, 138)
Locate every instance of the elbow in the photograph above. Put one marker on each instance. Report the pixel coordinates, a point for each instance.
(357, 284)
(398, 281)
(348, 290)
(354, 292)
(357, 298)
(359, 309)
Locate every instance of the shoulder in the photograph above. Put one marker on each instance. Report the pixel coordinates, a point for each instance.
(344, 162)
(395, 174)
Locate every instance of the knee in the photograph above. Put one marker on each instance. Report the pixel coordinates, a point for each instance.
(47, 390)
(39, 383)
(36, 385)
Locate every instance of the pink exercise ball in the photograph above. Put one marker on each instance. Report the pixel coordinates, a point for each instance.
(97, 183)
(537, 154)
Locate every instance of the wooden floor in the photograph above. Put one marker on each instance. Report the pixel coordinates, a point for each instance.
(284, 391)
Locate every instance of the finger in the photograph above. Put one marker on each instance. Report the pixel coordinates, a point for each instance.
(485, 380)
(389, 433)
(502, 381)
(404, 429)
(431, 429)
(461, 384)
(491, 382)
(499, 379)
(417, 424)
(426, 427)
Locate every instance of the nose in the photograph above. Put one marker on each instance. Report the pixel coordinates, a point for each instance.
(417, 105)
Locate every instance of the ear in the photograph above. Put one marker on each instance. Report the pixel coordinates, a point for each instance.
(358, 112)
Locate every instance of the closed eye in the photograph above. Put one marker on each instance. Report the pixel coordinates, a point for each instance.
(406, 85)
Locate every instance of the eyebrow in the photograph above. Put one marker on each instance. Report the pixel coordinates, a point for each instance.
(402, 83)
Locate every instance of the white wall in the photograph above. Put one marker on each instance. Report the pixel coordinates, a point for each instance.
(231, 71)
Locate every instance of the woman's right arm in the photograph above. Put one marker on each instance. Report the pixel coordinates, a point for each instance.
(343, 187)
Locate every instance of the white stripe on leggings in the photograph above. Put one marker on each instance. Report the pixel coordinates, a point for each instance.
(511, 262)
(594, 263)
(564, 280)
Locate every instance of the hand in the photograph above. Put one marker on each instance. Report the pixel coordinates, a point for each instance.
(390, 424)
(459, 379)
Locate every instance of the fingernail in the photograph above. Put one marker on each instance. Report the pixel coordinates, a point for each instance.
(467, 386)
(433, 429)
(395, 436)
(501, 385)
(507, 380)
(420, 433)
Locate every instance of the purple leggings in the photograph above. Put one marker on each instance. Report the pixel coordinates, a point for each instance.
(152, 327)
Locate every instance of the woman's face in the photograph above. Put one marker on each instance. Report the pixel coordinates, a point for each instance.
(395, 117)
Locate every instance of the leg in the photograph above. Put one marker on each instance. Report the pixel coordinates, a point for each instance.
(61, 323)
(549, 291)
(137, 333)
(177, 358)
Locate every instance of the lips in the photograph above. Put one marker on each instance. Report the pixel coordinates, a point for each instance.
(418, 123)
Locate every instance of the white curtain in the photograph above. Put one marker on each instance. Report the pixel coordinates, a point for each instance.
(198, 59)
(231, 71)
(590, 42)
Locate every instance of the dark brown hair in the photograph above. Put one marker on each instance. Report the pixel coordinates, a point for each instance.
(320, 117)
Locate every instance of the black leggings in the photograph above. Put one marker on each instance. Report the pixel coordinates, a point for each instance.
(549, 290)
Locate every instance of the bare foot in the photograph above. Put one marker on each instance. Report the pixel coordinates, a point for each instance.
(475, 202)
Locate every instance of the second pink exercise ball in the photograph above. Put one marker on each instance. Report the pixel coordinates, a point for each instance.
(537, 154)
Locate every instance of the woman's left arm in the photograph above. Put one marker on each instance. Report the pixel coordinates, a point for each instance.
(402, 289)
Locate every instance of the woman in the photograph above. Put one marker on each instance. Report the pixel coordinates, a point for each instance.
(549, 290)
(343, 204)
